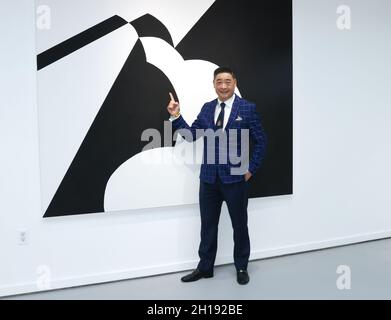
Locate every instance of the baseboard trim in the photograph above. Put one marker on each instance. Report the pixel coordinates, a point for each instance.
(120, 275)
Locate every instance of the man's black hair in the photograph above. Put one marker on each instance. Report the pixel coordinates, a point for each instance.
(224, 70)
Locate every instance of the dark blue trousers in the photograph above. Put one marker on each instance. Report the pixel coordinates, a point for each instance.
(211, 200)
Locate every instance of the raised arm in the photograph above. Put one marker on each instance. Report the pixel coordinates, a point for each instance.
(189, 133)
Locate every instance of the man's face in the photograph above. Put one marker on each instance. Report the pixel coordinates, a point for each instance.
(224, 85)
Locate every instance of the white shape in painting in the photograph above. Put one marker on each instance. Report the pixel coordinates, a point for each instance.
(72, 17)
(71, 92)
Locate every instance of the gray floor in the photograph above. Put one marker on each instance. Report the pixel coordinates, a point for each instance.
(311, 275)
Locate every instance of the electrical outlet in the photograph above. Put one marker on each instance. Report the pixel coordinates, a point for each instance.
(23, 237)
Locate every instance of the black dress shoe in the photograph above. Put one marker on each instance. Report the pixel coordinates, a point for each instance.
(242, 277)
(197, 275)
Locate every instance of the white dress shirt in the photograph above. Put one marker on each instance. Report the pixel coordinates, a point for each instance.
(227, 109)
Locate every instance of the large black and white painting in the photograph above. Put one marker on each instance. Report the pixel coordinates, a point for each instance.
(105, 69)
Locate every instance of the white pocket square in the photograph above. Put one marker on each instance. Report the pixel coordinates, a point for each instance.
(239, 118)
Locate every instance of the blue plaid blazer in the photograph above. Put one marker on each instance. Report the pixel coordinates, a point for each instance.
(243, 116)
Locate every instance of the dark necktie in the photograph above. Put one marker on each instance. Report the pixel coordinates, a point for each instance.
(220, 118)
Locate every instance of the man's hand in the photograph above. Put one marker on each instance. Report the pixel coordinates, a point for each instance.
(173, 106)
(247, 176)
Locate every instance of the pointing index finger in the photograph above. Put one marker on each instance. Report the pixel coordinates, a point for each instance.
(172, 97)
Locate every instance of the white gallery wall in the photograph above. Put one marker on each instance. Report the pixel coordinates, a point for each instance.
(341, 163)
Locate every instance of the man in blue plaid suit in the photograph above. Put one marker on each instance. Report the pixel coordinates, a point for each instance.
(224, 123)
